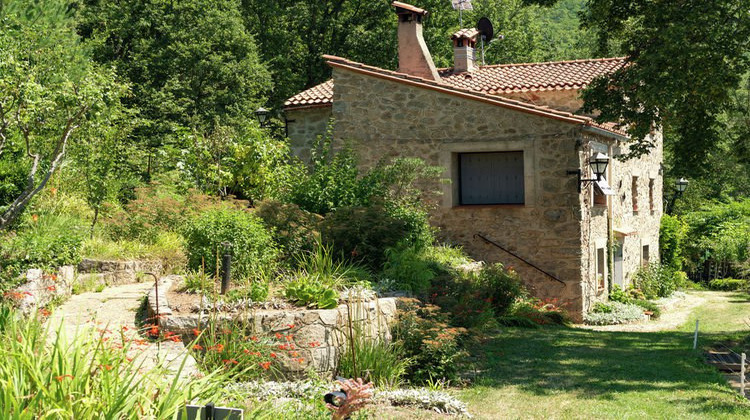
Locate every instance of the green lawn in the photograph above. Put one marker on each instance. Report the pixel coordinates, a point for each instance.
(575, 373)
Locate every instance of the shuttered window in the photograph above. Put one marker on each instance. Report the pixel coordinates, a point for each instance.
(491, 178)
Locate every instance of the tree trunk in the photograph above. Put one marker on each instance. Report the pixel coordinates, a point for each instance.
(93, 223)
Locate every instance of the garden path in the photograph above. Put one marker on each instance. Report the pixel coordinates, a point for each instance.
(114, 312)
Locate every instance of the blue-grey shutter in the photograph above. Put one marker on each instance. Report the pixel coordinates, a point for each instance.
(491, 178)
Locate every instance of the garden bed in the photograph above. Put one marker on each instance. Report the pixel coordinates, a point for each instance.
(317, 336)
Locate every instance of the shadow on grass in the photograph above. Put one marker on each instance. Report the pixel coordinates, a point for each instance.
(596, 364)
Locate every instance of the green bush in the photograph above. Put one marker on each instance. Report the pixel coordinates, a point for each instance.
(728, 284)
(655, 281)
(363, 234)
(615, 313)
(253, 251)
(45, 241)
(541, 312)
(295, 230)
(157, 208)
(408, 268)
(671, 238)
(476, 299)
(649, 306)
(433, 346)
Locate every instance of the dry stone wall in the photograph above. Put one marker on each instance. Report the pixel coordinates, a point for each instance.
(305, 125)
(319, 335)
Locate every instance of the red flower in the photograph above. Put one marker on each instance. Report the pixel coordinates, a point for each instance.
(196, 332)
(265, 365)
(291, 326)
(229, 361)
(60, 378)
(273, 355)
(197, 347)
(254, 338)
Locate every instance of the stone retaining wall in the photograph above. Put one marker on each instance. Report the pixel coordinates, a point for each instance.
(319, 335)
(111, 273)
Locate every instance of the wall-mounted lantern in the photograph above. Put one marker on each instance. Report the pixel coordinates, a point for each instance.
(679, 187)
(262, 115)
(598, 164)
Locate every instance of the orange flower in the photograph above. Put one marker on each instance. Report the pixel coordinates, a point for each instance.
(300, 360)
(34, 218)
(44, 312)
(197, 347)
(226, 331)
(246, 351)
(254, 338)
(278, 336)
(265, 365)
(273, 355)
(53, 191)
(60, 378)
(154, 331)
(106, 367)
(218, 348)
(291, 326)
(196, 332)
(229, 361)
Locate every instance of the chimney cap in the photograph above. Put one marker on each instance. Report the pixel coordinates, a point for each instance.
(408, 8)
(468, 33)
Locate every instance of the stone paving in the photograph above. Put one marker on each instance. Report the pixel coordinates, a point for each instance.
(113, 312)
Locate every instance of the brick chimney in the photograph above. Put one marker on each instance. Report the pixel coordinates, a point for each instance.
(464, 42)
(413, 56)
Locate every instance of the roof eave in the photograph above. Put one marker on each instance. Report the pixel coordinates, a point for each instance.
(607, 133)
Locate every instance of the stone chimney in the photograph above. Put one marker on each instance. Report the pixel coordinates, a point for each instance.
(464, 42)
(413, 56)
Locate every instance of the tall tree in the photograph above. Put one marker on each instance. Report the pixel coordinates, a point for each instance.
(192, 64)
(49, 91)
(685, 58)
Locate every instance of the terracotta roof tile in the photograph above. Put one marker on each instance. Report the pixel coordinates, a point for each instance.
(409, 7)
(320, 95)
(512, 78)
(466, 33)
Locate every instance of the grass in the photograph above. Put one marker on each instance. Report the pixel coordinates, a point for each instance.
(575, 373)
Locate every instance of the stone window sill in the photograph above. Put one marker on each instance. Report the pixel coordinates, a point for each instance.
(487, 206)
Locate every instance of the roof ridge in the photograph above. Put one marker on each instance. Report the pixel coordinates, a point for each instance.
(547, 63)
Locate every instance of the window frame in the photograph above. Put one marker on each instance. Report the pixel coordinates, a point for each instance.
(459, 172)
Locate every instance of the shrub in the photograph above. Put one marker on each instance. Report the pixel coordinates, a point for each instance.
(728, 284)
(433, 346)
(157, 208)
(541, 312)
(618, 313)
(363, 234)
(407, 267)
(671, 237)
(475, 299)
(649, 306)
(253, 251)
(655, 281)
(43, 241)
(295, 230)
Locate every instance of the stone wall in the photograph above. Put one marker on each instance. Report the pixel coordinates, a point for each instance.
(319, 335)
(616, 223)
(305, 125)
(40, 289)
(111, 273)
(387, 119)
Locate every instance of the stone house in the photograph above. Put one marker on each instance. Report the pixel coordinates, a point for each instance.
(512, 143)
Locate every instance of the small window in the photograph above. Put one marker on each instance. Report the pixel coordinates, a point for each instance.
(601, 267)
(645, 255)
(651, 206)
(491, 178)
(634, 193)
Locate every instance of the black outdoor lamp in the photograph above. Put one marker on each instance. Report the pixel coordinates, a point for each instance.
(262, 115)
(226, 267)
(679, 187)
(598, 164)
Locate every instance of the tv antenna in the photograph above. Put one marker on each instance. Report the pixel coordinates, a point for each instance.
(486, 32)
(461, 5)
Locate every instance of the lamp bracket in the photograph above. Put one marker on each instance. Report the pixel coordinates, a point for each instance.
(581, 180)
